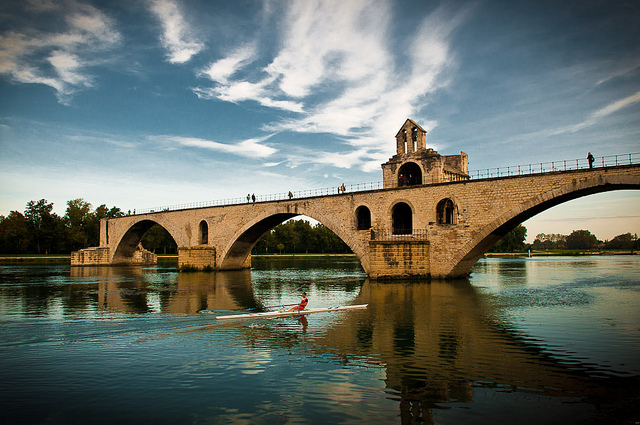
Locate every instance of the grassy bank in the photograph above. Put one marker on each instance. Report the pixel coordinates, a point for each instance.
(35, 258)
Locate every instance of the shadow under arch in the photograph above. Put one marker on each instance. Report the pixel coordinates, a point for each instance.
(240, 248)
(487, 237)
(130, 241)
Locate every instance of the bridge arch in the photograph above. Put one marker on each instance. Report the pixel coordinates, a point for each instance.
(462, 263)
(130, 240)
(238, 249)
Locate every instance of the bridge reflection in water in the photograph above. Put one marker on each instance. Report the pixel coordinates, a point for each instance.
(437, 343)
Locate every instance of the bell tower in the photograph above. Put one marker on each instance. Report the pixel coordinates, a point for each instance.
(415, 164)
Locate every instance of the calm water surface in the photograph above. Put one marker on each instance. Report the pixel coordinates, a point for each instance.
(526, 341)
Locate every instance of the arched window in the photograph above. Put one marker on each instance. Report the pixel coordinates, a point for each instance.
(363, 218)
(406, 141)
(414, 138)
(402, 218)
(446, 212)
(409, 174)
(204, 232)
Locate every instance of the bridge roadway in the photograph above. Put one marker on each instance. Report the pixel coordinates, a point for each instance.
(437, 230)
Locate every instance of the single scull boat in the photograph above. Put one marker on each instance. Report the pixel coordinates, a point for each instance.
(284, 313)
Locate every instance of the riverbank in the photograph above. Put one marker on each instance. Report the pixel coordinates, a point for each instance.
(560, 252)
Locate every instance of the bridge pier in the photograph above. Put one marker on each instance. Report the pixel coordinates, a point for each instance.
(397, 259)
(101, 256)
(197, 257)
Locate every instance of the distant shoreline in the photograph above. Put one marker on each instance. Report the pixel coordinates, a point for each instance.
(565, 252)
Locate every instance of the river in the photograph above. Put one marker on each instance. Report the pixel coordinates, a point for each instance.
(525, 340)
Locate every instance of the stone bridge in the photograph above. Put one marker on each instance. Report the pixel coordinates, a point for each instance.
(438, 230)
(429, 219)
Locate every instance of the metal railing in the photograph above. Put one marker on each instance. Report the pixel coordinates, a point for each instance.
(398, 235)
(514, 170)
(564, 165)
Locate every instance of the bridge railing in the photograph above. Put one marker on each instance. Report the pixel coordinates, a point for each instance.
(564, 165)
(297, 194)
(514, 170)
(398, 235)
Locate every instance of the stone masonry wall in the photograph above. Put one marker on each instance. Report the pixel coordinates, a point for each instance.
(398, 259)
(198, 257)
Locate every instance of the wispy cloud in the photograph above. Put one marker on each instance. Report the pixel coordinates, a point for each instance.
(250, 148)
(60, 57)
(177, 36)
(596, 116)
(337, 70)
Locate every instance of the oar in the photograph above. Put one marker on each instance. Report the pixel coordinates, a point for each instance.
(253, 308)
(272, 306)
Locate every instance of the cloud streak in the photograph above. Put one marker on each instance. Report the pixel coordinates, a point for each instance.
(60, 57)
(178, 37)
(249, 148)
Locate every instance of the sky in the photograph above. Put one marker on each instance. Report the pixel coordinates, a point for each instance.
(146, 103)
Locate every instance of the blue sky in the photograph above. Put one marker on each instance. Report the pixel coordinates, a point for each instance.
(146, 103)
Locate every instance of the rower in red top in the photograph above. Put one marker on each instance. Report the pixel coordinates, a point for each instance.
(301, 306)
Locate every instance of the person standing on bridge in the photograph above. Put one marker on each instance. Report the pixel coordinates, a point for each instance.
(302, 305)
(253, 198)
(590, 159)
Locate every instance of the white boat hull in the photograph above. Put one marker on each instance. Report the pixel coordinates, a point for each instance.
(292, 313)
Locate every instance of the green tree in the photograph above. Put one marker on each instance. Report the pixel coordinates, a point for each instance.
(78, 221)
(14, 234)
(513, 241)
(624, 241)
(581, 239)
(46, 230)
(298, 236)
(550, 241)
(158, 240)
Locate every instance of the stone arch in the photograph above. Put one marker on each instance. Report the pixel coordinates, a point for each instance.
(130, 240)
(402, 219)
(409, 174)
(446, 212)
(235, 254)
(363, 218)
(462, 263)
(203, 233)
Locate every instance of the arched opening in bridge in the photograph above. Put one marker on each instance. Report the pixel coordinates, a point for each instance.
(204, 233)
(409, 174)
(299, 235)
(402, 218)
(145, 234)
(159, 241)
(445, 212)
(363, 218)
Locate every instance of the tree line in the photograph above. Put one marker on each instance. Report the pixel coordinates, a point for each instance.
(514, 241)
(40, 231)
